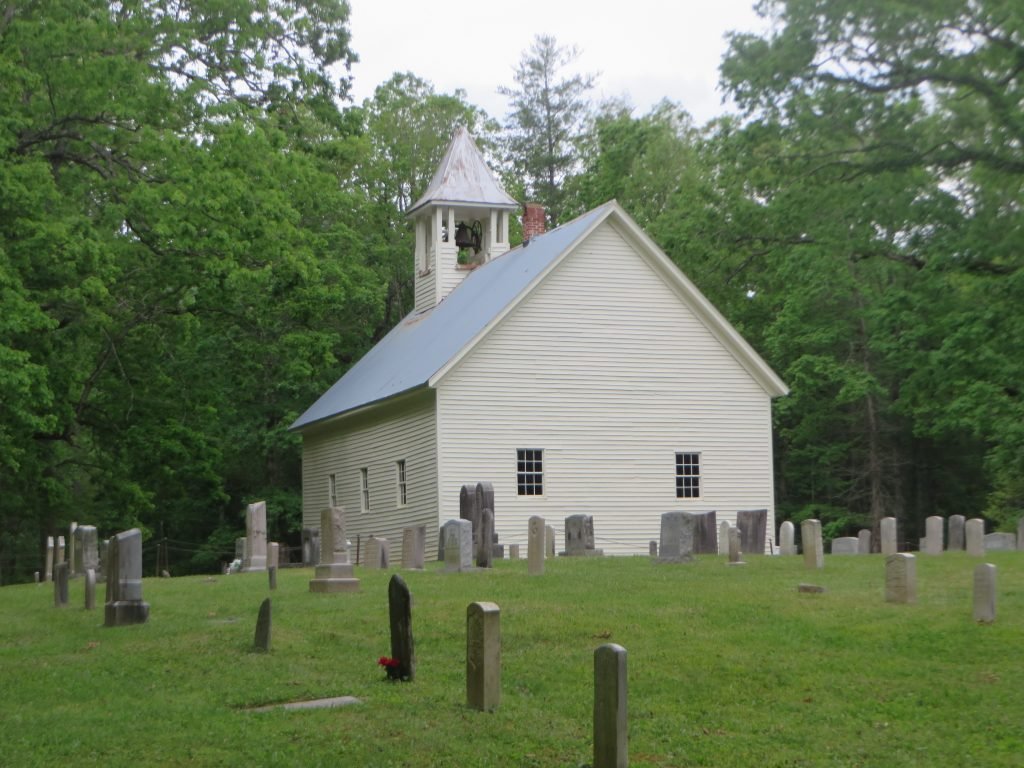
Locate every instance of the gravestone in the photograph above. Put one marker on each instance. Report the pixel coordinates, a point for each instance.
(956, 533)
(255, 537)
(985, 593)
(90, 589)
(579, 536)
(723, 537)
(887, 536)
(262, 640)
(72, 554)
(513, 551)
(611, 743)
(1000, 542)
(485, 549)
(400, 612)
(458, 545)
(934, 535)
(60, 585)
(974, 531)
(787, 538)
(810, 539)
(414, 541)
(652, 548)
(864, 541)
(846, 545)
(58, 556)
(272, 577)
(753, 525)
(273, 554)
(335, 572)
(310, 546)
(378, 554)
(705, 533)
(124, 604)
(536, 546)
(735, 546)
(49, 559)
(469, 510)
(900, 578)
(549, 541)
(483, 656)
(677, 534)
(87, 554)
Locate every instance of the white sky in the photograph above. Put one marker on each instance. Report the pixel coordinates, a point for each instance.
(643, 49)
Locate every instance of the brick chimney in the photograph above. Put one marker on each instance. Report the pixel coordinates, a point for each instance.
(533, 221)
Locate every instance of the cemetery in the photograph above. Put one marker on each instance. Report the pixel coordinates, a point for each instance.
(899, 659)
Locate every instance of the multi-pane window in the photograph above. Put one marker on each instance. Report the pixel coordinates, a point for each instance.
(400, 477)
(364, 489)
(687, 475)
(530, 471)
(332, 489)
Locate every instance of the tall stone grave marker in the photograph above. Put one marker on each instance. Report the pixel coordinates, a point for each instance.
(974, 530)
(485, 547)
(864, 541)
(810, 538)
(414, 541)
(49, 559)
(273, 554)
(900, 578)
(956, 533)
(58, 556)
(255, 537)
(468, 510)
(261, 641)
(549, 541)
(934, 535)
(846, 545)
(483, 656)
(400, 612)
(735, 548)
(887, 534)
(787, 538)
(458, 545)
(87, 548)
(677, 537)
(60, 585)
(124, 603)
(723, 537)
(985, 593)
(705, 533)
(611, 738)
(536, 546)
(335, 572)
(72, 553)
(90, 589)
(753, 525)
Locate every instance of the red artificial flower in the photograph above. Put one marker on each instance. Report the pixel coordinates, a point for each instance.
(387, 661)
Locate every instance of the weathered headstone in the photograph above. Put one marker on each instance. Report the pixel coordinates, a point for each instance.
(887, 534)
(753, 525)
(652, 548)
(335, 572)
(810, 540)
(536, 546)
(1000, 542)
(378, 554)
(549, 541)
(677, 531)
(579, 536)
(58, 556)
(611, 742)
(974, 530)
(273, 554)
(846, 545)
(310, 546)
(735, 546)
(262, 640)
(400, 612)
(705, 533)
(272, 577)
(985, 593)
(49, 559)
(864, 541)
(255, 537)
(90, 589)
(60, 584)
(72, 551)
(723, 537)
(900, 578)
(485, 549)
(934, 535)
(468, 510)
(787, 538)
(414, 541)
(483, 656)
(956, 533)
(513, 551)
(124, 604)
(458, 545)
(87, 554)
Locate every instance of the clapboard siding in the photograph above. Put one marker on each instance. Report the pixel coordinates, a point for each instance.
(376, 439)
(604, 368)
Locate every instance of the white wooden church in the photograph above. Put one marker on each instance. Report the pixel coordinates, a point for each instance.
(581, 372)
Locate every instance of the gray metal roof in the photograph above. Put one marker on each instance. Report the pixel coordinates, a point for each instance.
(420, 345)
(464, 178)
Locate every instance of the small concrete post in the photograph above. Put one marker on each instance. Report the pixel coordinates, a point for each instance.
(535, 546)
(985, 593)
(483, 656)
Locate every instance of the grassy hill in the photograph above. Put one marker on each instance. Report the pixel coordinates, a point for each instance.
(727, 667)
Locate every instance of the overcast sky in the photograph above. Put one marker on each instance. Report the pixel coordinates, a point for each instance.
(643, 49)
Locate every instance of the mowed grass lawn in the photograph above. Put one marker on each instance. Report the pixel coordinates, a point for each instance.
(728, 666)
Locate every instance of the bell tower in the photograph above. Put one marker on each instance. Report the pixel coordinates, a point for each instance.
(461, 221)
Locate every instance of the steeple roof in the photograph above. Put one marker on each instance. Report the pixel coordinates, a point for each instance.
(463, 178)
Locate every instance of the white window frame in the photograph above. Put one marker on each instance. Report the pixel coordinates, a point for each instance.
(364, 489)
(401, 483)
(529, 471)
(688, 475)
